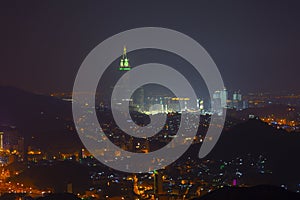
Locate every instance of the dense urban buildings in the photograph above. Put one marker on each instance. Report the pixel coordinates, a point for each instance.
(252, 97)
(22, 156)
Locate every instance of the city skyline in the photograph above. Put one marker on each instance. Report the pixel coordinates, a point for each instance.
(148, 100)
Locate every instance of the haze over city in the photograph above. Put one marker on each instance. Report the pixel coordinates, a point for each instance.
(61, 141)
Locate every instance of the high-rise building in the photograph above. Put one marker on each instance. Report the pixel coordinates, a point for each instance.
(139, 99)
(1, 140)
(237, 101)
(158, 183)
(237, 96)
(124, 65)
(124, 62)
(224, 97)
(200, 105)
(245, 104)
(219, 101)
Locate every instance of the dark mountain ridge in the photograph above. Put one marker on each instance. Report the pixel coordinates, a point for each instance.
(262, 192)
(43, 121)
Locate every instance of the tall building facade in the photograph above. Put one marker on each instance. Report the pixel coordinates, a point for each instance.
(237, 102)
(219, 101)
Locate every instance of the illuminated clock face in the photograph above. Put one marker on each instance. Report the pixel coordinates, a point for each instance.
(124, 62)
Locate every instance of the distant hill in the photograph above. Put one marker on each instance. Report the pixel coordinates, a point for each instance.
(42, 120)
(263, 192)
(278, 110)
(256, 137)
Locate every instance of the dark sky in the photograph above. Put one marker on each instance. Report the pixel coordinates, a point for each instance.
(255, 44)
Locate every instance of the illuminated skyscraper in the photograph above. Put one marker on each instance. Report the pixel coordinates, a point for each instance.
(223, 97)
(138, 99)
(216, 103)
(237, 96)
(219, 101)
(137, 103)
(200, 105)
(124, 62)
(124, 65)
(237, 101)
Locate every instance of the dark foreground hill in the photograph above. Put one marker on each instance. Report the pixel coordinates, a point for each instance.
(58, 196)
(62, 196)
(257, 138)
(56, 176)
(263, 192)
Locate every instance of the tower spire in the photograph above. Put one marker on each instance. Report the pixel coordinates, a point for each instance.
(124, 52)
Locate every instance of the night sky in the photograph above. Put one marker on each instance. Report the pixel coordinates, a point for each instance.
(255, 44)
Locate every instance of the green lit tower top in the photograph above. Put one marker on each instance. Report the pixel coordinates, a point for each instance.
(124, 62)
